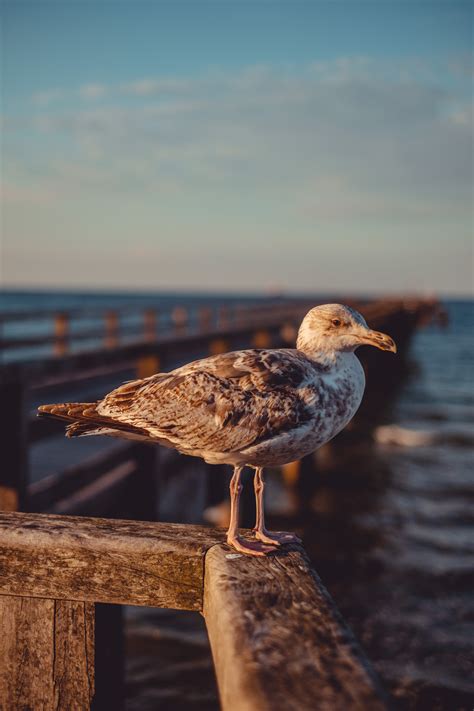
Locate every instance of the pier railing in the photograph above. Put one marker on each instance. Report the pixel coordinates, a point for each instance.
(59, 332)
(277, 640)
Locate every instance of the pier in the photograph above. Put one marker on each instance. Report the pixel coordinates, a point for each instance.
(275, 635)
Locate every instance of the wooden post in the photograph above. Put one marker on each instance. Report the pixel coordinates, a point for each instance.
(13, 445)
(204, 319)
(150, 324)
(218, 345)
(148, 365)
(223, 317)
(111, 329)
(47, 653)
(179, 317)
(262, 339)
(61, 333)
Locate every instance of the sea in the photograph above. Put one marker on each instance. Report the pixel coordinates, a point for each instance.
(392, 535)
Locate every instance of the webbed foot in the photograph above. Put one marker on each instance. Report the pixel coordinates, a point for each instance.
(249, 547)
(276, 538)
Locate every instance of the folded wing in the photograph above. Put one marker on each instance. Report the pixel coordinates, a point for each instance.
(224, 403)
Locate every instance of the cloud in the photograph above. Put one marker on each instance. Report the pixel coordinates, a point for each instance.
(462, 65)
(352, 150)
(92, 91)
(46, 97)
(154, 87)
(275, 128)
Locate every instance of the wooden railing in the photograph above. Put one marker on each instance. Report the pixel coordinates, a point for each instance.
(277, 640)
(66, 331)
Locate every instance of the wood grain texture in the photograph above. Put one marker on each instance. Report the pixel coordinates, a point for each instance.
(100, 560)
(47, 654)
(277, 640)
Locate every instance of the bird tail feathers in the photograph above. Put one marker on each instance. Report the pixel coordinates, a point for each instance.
(85, 420)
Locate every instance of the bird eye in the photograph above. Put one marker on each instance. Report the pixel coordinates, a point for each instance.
(336, 322)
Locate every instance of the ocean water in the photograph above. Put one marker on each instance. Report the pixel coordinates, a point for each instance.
(389, 527)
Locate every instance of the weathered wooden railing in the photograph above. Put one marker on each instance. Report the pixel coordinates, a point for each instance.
(104, 328)
(277, 640)
(257, 657)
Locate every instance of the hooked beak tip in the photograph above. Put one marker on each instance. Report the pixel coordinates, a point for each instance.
(381, 341)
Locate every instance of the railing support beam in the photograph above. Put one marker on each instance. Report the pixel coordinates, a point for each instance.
(47, 653)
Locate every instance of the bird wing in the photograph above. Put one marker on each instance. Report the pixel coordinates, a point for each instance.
(224, 403)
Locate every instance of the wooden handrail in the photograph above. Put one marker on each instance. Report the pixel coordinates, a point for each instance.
(110, 324)
(276, 638)
(101, 560)
(278, 641)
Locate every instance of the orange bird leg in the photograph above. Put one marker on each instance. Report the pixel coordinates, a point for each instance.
(240, 544)
(278, 537)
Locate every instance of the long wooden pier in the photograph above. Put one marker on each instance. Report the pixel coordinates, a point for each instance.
(276, 637)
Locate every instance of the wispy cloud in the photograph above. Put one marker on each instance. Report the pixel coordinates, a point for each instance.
(154, 87)
(266, 127)
(92, 91)
(46, 97)
(336, 150)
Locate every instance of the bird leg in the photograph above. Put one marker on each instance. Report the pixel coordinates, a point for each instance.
(274, 538)
(240, 544)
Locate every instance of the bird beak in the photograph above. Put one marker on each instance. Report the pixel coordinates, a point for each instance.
(379, 340)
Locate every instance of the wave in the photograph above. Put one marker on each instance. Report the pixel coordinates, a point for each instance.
(395, 435)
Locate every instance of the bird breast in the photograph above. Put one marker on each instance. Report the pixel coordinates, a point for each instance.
(334, 398)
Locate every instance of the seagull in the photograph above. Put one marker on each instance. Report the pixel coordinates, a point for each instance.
(253, 407)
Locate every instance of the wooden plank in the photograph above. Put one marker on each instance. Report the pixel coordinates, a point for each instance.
(100, 560)
(277, 640)
(47, 654)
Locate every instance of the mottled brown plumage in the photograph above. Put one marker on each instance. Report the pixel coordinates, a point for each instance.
(251, 407)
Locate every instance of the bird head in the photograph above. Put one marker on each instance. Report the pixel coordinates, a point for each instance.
(334, 328)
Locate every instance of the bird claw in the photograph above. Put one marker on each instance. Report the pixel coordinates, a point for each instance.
(249, 547)
(276, 538)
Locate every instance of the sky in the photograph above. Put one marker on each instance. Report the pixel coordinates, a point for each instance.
(247, 146)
